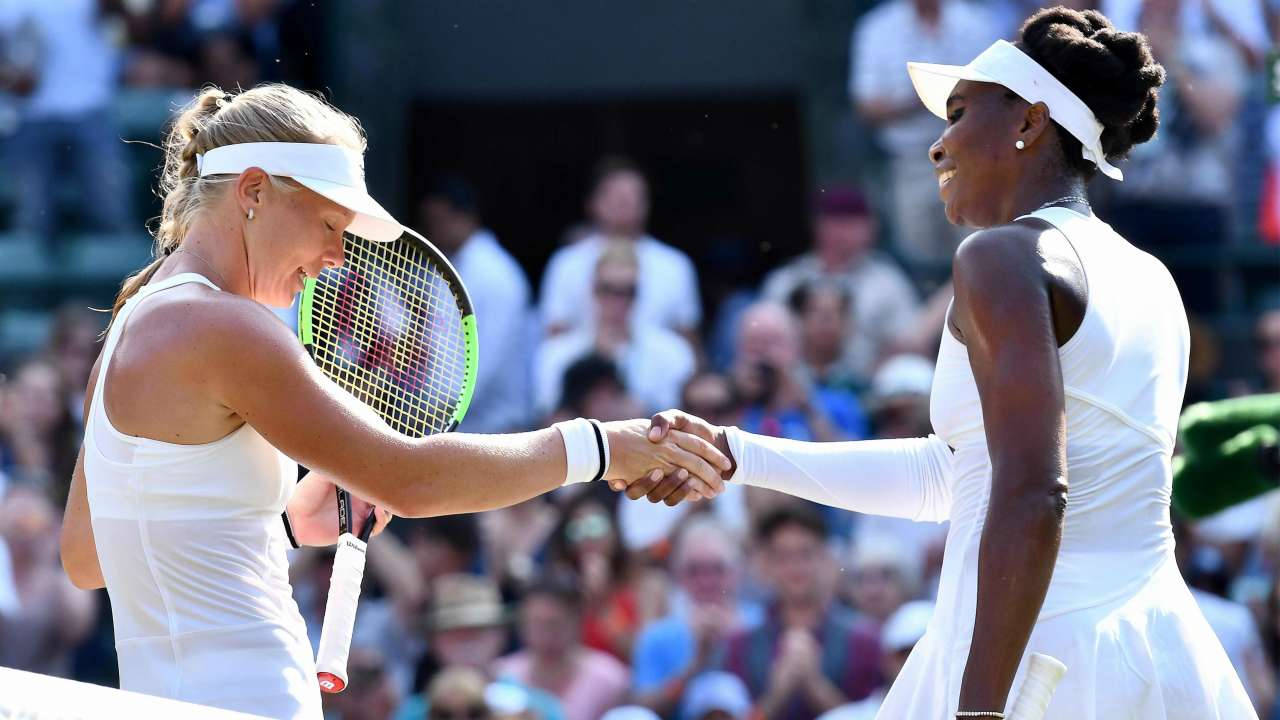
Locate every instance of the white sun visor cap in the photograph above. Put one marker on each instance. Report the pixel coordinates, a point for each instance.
(333, 171)
(1004, 64)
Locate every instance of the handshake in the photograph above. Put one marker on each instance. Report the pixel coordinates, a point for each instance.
(671, 457)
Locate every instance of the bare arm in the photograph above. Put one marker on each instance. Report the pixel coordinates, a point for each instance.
(1003, 308)
(256, 369)
(78, 549)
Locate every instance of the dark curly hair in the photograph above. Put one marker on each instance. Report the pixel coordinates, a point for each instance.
(1113, 72)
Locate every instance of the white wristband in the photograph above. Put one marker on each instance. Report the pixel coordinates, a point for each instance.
(584, 450)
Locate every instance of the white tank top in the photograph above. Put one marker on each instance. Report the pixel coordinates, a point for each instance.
(192, 548)
(1124, 372)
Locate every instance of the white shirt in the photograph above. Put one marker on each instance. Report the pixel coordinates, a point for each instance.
(505, 326)
(654, 366)
(889, 37)
(77, 63)
(666, 294)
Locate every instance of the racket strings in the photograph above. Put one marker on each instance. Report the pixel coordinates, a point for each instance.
(388, 328)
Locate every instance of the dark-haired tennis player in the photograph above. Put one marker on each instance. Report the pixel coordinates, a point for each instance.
(202, 401)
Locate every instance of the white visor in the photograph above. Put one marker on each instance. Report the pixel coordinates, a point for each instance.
(1004, 64)
(331, 170)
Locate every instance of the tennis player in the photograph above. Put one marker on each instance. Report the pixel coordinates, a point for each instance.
(202, 400)
(1063, 365)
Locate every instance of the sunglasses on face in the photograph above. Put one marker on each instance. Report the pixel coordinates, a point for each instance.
(616, 290)
(588, 527)
(470, 712)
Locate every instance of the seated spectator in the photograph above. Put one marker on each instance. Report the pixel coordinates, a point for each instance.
(883, 574)
(1266, 333)
(514, 539)
(951, 32)
(824, 308)
(42, 616)
(74, 344)
(371, 692)
(39, 438)
(882, 299)
(900, 634)
(707, 565)
(592, 388)
(716, 696)
(587, 682)
(458, 693)
(500, 297)
(779, 399)
(899, 397)
(587, 549)
(654, 361)
(810, 654)
(667, 287)
(66, 131)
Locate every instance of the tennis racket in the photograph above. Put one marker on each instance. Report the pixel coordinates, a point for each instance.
(394, 327)
(1043, 674)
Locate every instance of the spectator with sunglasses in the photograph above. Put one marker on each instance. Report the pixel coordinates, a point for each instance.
(457, 693)
(654, 361)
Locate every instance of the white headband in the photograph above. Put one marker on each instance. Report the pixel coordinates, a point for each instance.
(331, 170)
(1004, 64)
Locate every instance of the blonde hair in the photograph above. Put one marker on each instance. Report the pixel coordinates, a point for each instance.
(621, 253)
(266, 113)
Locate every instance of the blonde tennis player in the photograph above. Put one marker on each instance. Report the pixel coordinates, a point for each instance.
(202, 400)
(1056, 399)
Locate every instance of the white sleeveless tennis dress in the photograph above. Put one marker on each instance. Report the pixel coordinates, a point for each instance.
(1117, 612)
(193, 552)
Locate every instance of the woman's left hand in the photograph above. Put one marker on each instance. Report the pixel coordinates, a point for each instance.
(313, 512)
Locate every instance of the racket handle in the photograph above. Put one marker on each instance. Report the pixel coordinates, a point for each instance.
(340, 613)
(1043, 674)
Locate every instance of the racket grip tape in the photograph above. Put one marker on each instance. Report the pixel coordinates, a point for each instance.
(1043, 674)
(340, 613)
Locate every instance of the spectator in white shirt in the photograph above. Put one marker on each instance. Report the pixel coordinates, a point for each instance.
(667, 291)
(883, 301)
(936, 31)
(654, 361)
(500, 296)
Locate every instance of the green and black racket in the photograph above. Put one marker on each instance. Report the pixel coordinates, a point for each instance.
(394, 327)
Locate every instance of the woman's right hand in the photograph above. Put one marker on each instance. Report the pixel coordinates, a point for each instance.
(638, 459)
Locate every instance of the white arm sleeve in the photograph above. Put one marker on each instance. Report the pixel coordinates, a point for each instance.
(909, 478)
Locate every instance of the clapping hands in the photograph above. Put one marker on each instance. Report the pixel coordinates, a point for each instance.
(669, 458)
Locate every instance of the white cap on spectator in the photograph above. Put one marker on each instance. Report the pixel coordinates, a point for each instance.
(630, 712)
(333, 171)
(904, 374)
(906, 626)
(716, 690)
(886, 551)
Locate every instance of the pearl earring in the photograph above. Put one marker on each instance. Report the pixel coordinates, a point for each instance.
(1020, 145)
(250, 214)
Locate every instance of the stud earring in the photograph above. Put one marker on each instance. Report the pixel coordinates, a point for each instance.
(1020, 145)
(250, 213)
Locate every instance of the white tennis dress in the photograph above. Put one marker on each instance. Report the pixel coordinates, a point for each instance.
(1117, 612)
(193, 551)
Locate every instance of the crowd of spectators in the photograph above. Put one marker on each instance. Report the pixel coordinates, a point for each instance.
(581, 604)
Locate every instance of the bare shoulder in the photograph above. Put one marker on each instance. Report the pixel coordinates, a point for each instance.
(988, 254)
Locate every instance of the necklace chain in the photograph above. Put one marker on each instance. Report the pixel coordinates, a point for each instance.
(1066, 198)
(207, 264)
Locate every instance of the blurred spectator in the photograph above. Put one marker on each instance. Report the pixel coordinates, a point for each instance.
(586, 548)
(881, 298)
(513, 539)
(716, 696)
(500, 297)
(370, 693)
(779, 399)
(226, 59)
(654, 361)
(66, 127)
(630, 712)
(883, 574)
(667, 285)
(1267, 335)
(1242, 22)
(899, 397)
(39, 438)
(588, 682)
(592, 388)
(824, 309)
(810, 654)
(458, 693)
(1180, 188)
(900, 634)
(74, 344)
(707, 565)
(884, 40)
(42, 616)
